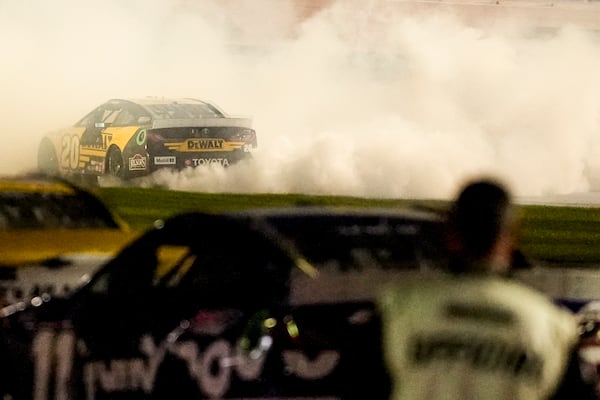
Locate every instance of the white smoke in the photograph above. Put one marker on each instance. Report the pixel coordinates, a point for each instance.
(350, 100)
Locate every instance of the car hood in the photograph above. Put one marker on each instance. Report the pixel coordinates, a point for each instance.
(19, 247)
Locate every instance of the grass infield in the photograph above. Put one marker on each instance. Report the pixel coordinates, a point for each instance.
(566, 236)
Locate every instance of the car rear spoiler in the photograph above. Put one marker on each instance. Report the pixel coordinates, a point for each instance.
(202, 122)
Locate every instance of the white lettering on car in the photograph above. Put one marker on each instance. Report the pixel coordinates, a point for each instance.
(42, 354)
(69, 152)
(300, 365)
(211, 368)
(197, 162)
(125, 374)
(118, 375)
(165, 160)
(137, 163)
(214, 385)
(249, 368)
(52, 350)
(218, 354)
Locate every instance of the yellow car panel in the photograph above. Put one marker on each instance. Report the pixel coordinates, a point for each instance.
(35, 246)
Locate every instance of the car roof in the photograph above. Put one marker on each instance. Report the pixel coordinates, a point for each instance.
(293, 227)
(149, 100)
(411, 213)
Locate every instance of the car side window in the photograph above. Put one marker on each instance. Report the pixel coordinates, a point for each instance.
(110, 116)
(255, 272)
(99, 114)
(131, 271)
(125, 118)
(223, 264)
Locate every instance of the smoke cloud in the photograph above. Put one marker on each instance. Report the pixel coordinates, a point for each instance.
(347, 100)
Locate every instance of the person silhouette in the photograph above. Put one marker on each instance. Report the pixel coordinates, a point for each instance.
(471, 332)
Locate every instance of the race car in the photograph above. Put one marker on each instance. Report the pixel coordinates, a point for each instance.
(255, 304)
(53, 235)
(129, 138)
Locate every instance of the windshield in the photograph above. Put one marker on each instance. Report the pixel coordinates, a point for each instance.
(34, 210)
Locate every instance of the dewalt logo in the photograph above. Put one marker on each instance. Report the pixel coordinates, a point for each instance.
(205, 144)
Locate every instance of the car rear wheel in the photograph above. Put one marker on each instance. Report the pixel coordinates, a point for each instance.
(47, 160)
(114, 163)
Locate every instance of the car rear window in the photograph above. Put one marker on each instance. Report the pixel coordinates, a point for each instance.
(183, 111)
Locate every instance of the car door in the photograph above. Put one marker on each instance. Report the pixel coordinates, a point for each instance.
(319, 340)
(237, 282)
(195, 268)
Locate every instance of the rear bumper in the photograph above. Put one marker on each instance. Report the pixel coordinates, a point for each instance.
(193, 160)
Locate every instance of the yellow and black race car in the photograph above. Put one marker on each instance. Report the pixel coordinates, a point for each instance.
(129, 138)
(53, 234)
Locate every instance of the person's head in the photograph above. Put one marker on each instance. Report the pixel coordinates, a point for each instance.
(482, 228)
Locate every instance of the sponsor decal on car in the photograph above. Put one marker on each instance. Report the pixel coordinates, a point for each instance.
(104, 140)
(140, 139)
(95, 166)
(212, 366)
(165, 160)
(137, 163)
(199, 162)
(204, 145)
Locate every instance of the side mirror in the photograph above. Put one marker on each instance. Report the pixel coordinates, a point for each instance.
(99, 125)
(144, 120)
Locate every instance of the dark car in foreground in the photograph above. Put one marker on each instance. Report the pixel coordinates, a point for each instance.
(53, 235)
(270, 303)
(133, 137)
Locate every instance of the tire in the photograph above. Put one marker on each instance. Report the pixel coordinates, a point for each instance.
(47, 160)
(114, 163)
